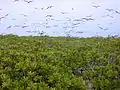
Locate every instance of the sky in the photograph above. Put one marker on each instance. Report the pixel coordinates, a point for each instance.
(77, 18)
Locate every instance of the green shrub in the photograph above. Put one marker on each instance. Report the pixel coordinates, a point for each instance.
(59, 63)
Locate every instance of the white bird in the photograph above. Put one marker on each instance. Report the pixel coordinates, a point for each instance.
(77, 20)
(9, 27)
(16, 26)
(28, 1)
(49, 7)
(48, 15)
(72, 8)
(64, 13)
(6, 15)
(3, 16)
(117, 12)
(109, 10)
(105, 29)
(16, 0)
(79, 32)
(42, 8)
(24, 26)
(100, 27)
(35, 8)
(89, 16)
(96, 6)
(87, 19)
(24, 15)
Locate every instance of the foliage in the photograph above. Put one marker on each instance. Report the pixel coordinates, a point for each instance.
(59, 63)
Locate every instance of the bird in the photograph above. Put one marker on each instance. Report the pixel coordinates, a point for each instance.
(47, 26)
(87, 19)
(16, 26)
(1, 18)
(24, 15)
(78, 72)
(52, 19)
(79, 32)
(72, 8)
(41, 33)
(108, 16)
(105, 29)
(6, 15)
(112, 22)
(13, 19)
(96, 6)
(35, 8)
(9, 27)
(76, 24)
(49, 7)
(42, 8)
(109, 10)
(100, 27)
(117, 12)
(89, 16)
(24, 26)
(48, 15)
(55, 25)
(16, 0)
(90, 19)
(77, 20)
(64, 13)
(28, 1)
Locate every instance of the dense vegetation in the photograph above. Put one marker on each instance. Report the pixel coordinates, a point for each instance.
(59, 63)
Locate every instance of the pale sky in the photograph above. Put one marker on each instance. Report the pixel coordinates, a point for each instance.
(60, 17)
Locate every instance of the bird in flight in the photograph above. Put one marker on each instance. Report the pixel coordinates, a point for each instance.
(117, 12)
(16, 0)
(87, 19)
(89, 16)
(49, 7)
(77, 20)
(28, 1)
(72, 8)
(108, 16)
(105, 29)
(24, 15)
(47, 26)
(6, 15)
(96, 6)
(24, 26)
(64, 13)
(16, 26)
(55, 25)
(42, 8)
(109, 10)
(13, 19)
(79, 32)
(3, 16)
(100, 27)
(75, 24)
(48, 15)
(9, 27)
(35, 8)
